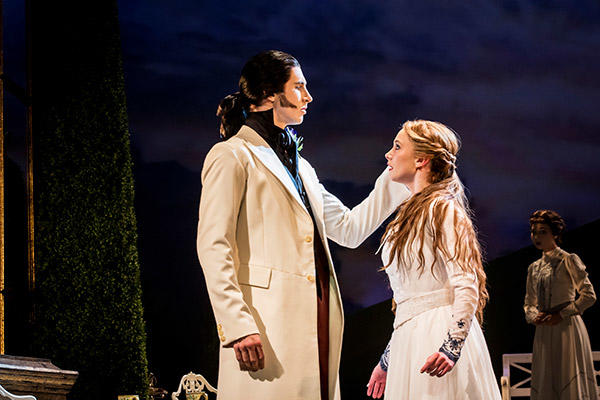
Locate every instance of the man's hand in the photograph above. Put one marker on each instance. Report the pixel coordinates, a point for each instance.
(249, 353)
(376, 384)
(438, 364)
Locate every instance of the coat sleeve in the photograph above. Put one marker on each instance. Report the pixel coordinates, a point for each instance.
(530, 305)
(223, 188)
(350, 227)
(582, 283)
(465, 286)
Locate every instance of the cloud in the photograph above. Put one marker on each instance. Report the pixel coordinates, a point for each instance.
(516, 79)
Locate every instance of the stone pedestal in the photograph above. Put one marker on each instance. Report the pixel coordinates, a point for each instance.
(35, 376)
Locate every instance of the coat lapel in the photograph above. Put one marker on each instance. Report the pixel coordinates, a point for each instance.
(313, 191)
(259, 147)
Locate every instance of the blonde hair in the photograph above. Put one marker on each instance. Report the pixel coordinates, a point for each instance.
(440, 145)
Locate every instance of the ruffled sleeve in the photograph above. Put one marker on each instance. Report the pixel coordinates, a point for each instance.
(587, 296)
(465, 287)
(530, 305)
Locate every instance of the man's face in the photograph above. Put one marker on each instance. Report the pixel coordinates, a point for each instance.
(290, 106)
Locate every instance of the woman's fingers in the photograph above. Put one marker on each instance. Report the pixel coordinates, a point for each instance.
(442, 371)
(428, 363)
(373, 388)
(432, 364)
(376, 385)
(437, 364)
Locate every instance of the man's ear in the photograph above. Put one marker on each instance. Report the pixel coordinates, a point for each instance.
(270, 99)
(421, 162)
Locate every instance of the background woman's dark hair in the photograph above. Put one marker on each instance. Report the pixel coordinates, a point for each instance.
(552, 219)
(263, 75)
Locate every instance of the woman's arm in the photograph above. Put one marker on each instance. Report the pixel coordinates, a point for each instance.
(530, 304)
(587, 296)
(465, 287)
(350, 227)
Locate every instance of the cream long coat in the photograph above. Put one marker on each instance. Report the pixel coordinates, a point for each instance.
(255, 247)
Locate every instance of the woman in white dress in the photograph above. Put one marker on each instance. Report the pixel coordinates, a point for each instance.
(562, 367)
(433, 260)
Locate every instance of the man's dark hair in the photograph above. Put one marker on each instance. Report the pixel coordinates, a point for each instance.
(262, 76)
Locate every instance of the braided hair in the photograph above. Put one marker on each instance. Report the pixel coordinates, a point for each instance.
(443, 195)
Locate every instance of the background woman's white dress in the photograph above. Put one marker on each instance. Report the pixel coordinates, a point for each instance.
(436, 312)
(562, 367)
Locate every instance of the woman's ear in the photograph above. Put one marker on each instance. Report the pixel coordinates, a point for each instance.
(421, 162)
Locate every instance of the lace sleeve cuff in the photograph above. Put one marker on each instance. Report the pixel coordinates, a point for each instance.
(384, 361)
(452, 347)
(455, 340)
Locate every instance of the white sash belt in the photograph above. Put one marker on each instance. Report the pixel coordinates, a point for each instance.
(413, 306)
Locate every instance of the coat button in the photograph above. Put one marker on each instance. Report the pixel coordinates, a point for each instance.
(308, 239)
(222, 338)
(310, 278)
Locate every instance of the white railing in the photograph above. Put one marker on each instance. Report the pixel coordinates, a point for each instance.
(522, 362)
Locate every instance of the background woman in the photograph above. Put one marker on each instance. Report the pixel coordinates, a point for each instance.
(433, 260)
(562, 365)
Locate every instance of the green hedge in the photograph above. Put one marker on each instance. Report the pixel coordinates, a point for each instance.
(89, 314)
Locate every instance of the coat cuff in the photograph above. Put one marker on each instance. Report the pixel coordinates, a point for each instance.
(229, 333)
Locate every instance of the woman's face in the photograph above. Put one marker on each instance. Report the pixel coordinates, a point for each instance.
(542, 238)
(401, 159)
(290, 106)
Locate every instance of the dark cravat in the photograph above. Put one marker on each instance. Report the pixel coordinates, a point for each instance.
(278, 139)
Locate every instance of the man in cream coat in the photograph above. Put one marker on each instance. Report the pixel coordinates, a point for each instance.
(255, 244)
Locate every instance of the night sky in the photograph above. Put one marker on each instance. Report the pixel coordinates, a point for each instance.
(518, 80)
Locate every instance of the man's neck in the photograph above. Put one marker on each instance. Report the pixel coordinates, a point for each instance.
(262, 107)
(267, 106)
